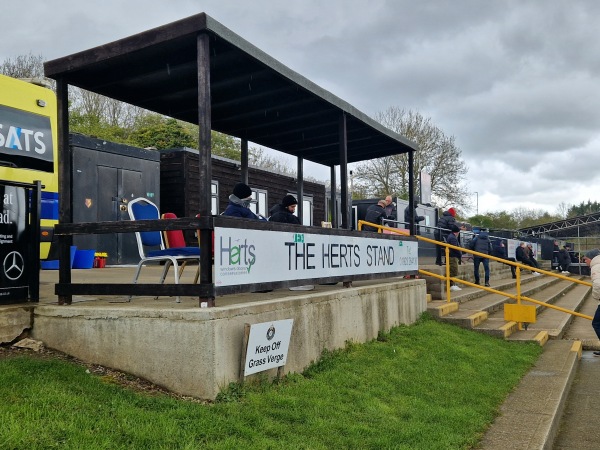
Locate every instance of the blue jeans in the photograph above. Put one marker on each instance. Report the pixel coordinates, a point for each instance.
(486, 270)
(596, 322)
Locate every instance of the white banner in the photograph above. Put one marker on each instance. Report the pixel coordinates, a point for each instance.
(244, 256)
(268, 345)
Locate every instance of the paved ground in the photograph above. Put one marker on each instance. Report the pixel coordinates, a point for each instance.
(578, 429)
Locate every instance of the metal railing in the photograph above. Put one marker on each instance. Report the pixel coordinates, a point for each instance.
(518, 297)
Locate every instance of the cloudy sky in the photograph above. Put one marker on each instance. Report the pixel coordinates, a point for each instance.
(516, 82)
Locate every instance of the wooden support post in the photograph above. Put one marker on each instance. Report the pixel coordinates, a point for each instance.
(204, 146)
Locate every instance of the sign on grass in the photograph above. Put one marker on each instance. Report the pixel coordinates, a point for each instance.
(268, 345)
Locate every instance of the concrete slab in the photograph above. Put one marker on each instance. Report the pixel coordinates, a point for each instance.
(197, 351)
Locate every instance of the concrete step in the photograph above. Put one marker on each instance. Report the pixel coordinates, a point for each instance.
(564, 294)
(471, 301)
(555, 322)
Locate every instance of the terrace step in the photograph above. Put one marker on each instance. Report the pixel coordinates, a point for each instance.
(483, 311)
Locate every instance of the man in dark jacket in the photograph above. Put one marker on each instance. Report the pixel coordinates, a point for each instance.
(564, 259)
(481, 243)
(500, 251)
(443, 228)
(522, 256)
(239, 203)
(374, 215)
(284, 211)
(409, 214)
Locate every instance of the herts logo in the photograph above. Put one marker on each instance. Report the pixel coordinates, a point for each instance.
(241, 254)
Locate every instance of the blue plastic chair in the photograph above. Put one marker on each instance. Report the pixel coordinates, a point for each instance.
(151, 246)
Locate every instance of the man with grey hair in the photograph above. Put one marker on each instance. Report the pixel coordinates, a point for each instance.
(592, 259)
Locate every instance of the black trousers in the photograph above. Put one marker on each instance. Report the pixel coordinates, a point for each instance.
(439, 250)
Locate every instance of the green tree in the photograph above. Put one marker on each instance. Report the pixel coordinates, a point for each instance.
(584, 208)
(225, 146)
(94, 126)
(153, 130)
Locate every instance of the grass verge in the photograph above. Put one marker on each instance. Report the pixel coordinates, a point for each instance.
(424, 386)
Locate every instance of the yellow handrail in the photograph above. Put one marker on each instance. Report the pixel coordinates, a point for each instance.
(518, 297)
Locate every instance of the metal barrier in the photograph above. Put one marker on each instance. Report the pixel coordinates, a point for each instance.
(518, 313)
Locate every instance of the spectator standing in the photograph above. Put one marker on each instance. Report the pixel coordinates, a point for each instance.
(454, 255)
(412, 214)
(375, 213)
(564, 260)
(389, 208)
(555, 251)
(500, 251)
(442, 231)
(481, 243)
(284, 211)
(592, 259)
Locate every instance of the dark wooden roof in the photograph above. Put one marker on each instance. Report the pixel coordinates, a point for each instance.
(253, 96)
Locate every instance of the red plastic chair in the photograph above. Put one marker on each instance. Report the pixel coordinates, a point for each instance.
(176, 239)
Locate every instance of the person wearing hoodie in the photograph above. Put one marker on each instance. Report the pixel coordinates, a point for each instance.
(442, 231)
(481, 243)
(284, 211)
(239, 203)
(592, 259)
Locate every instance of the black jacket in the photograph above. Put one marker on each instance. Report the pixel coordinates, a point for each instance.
(564, 258)
(280, 213)
(408, 215)
(444, 223)
(453, 240)
(374, 215)
(521, 255)
(481, 243)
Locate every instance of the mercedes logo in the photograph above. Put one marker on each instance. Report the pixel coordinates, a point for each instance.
(13, 265)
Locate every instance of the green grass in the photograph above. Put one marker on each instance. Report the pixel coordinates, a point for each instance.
(424, 386)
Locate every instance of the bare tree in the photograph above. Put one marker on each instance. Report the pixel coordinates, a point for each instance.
(562, 210)
(437, 153)
(108, 110)
(23, 66)
(258, 157)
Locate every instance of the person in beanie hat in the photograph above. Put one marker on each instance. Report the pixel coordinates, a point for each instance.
(592, 259)
(239, 203)
(242, 191)
(284, 211)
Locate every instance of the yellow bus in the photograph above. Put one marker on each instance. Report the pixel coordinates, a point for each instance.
(28, 145)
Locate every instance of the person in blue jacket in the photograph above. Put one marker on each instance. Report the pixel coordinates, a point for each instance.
(239, 203)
